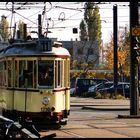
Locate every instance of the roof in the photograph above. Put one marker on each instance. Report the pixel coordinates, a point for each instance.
(31, 48)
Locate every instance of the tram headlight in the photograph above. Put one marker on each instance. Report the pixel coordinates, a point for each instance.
(45, 100)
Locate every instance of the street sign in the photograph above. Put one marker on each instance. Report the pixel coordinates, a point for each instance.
(135, 31)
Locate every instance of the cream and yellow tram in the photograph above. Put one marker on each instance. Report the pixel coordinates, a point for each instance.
(34, 81)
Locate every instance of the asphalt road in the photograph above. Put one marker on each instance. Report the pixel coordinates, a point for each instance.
(91, 123)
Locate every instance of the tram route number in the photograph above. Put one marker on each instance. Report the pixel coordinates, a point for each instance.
(45, 109)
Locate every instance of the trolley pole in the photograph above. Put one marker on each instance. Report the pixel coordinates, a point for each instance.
(25, 32)
(134, 95)
(115, 34)
(39, 26)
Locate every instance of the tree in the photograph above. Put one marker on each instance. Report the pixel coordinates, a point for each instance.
(83, 31)
(90, 35)
(4, 28)
(123, 54)
(93, 22)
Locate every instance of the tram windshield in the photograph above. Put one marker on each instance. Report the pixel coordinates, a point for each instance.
(45, 73)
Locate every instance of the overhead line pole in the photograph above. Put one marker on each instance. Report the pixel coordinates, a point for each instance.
(115, 35)
(134, 92)
(134, 95)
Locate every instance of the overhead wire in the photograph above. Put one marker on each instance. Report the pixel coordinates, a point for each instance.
(55, 6)
(68, 18)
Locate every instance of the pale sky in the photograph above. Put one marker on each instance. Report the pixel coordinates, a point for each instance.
(66, 16)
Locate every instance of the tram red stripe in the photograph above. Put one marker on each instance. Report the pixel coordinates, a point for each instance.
(67, 88)
(58, 90)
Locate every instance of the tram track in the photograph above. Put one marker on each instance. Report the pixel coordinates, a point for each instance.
(62, 134)
(72, 134)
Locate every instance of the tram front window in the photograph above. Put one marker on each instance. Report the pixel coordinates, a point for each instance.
(45, 73)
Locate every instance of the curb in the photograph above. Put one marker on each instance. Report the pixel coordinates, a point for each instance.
(105, 108)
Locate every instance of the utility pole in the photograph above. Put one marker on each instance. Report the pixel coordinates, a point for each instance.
(134, 95)
(134, 62)
(115, 34)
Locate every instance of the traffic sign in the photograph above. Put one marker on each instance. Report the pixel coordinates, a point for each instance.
(135, 31)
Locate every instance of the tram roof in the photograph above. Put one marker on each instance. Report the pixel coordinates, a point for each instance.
(30, 48)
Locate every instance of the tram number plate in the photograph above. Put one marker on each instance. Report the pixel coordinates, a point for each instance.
(45, 109)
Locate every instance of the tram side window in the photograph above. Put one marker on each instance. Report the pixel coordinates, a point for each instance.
(22, 66)
(9, 69)
(67, 73)
(58, 73)
(16, 73)
(45, 73)
(4, 83)
(34, 74)
(26, 72)
(29, 74)
(1, 74)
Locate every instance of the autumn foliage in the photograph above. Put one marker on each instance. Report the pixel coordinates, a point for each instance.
(123, 56)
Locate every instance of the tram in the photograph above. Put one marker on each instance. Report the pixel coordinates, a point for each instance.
(34, 81)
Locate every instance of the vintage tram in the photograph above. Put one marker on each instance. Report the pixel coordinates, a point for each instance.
(34, 81)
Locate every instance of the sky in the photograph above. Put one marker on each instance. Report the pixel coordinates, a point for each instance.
(62, 17)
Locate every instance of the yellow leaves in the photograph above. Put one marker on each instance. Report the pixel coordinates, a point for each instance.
(109, 57)
(122, 57)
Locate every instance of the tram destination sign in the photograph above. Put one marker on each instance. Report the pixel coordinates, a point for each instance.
(135, 31)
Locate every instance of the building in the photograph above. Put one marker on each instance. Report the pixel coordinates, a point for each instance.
(83, 51)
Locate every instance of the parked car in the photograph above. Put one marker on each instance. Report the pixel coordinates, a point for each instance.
(72, 91)
(93, 89)
(72, 83)
(123, 88)
(82, 84)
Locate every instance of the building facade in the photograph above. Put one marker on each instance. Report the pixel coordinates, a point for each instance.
(84, 52)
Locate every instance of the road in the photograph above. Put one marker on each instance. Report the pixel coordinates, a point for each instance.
(87, 123)
(97, 122)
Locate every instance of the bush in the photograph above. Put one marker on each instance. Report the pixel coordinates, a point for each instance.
(108, 96)
(84, 94)
(98, 95)
(118, 97)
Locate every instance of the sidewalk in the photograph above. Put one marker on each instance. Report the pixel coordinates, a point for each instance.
(107, 107)
(101, 104)
(104, 105)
